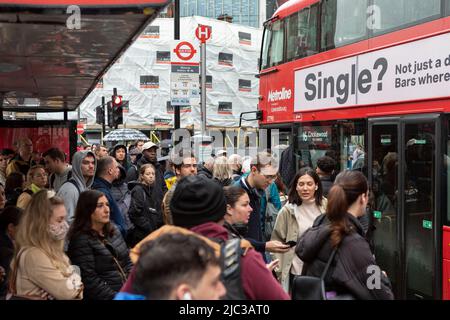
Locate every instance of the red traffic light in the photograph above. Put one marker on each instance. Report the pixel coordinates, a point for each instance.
(116, 100)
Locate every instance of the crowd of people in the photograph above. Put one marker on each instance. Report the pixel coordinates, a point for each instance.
(119, 224)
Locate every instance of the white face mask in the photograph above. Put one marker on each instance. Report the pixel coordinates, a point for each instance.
(58, 231)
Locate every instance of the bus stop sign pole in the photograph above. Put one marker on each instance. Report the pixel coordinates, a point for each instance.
(203, 86)
(203, 33)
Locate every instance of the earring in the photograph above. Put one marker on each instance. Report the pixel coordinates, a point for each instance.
(317, 187)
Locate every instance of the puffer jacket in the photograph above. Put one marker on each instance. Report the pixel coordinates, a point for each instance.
(101, 276)
(348, 272)
(145, 211)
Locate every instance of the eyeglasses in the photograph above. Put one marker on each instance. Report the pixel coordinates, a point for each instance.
(41, 175)
(269, 176)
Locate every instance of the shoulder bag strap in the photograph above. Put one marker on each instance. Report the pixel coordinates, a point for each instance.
(13, 279)
(330, 259)
(123, 274)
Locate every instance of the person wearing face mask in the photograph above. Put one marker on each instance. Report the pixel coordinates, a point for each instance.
(97, 247)
(145, 210)
(40, 267)
(305, 204)
(340, 233)
(38, 178)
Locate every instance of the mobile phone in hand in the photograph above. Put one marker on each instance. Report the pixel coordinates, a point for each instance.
(291, 243)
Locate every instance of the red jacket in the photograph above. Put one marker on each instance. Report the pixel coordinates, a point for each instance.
(257, 281)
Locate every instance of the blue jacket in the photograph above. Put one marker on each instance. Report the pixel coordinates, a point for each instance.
(104, 186)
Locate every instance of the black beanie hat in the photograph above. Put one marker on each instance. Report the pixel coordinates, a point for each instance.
(197, 200)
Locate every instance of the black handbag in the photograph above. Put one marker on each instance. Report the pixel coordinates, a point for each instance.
(313, 288)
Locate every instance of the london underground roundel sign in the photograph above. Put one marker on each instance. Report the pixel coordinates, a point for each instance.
(185, 51)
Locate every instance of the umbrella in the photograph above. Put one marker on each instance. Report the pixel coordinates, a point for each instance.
(125, 135)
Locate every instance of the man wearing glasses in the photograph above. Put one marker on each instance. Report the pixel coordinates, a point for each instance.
(263, 171)
(185, 164)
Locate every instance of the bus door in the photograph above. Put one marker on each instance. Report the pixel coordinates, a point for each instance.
(403, 153)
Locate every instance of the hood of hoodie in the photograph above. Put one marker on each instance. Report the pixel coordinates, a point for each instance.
(76, 168)
(211, 230)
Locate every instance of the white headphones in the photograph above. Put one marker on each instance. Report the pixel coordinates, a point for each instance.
(187, 296)
(317, 187)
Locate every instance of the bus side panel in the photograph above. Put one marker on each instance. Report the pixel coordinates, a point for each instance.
(446, 264)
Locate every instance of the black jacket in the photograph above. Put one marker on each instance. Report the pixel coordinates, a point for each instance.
(327, 183)
(100, 274)
(160, 187)
(254, 234)
(6, 255)
(287, 166)
(145, 210)
(349, 271)
(203, 171)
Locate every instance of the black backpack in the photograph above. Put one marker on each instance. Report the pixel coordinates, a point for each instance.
(230, 261)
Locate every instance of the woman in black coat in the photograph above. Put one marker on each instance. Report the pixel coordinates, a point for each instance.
(97, 247)
(354, 270)
(145, 209)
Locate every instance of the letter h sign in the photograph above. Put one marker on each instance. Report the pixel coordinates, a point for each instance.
(203, 33)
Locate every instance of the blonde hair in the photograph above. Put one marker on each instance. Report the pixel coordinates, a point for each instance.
(221, 169)
(31, 172)
(32, 230)
(143, 169)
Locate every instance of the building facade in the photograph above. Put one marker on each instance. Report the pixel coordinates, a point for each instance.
(246, 12)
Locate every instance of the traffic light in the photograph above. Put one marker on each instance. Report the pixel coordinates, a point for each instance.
(116, 100)
(117, 106)
(110, 114)
(100, 115)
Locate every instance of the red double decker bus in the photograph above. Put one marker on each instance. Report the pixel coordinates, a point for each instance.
(369, 82)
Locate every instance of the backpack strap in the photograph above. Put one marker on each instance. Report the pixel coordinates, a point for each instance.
(231, 253)
(72, 181)
(53, 178)
(52, 181)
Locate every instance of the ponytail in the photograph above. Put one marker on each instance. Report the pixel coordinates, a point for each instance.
(336, 211)
(348, 186)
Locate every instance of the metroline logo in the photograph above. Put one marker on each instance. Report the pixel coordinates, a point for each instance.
(280, 95)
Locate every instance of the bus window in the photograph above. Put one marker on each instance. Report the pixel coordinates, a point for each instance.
(447, 7)
(343, 141)
(265, 50)
(404, 13)
(343, 22)
(302, 34)
(275, 50)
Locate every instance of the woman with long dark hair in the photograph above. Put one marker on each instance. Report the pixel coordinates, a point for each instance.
(340, 231)
(305, 204)
(97, 247)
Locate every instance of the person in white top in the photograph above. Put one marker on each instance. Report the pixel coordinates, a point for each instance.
(305, 204)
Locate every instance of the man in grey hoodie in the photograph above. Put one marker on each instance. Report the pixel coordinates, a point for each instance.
(84, 165)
